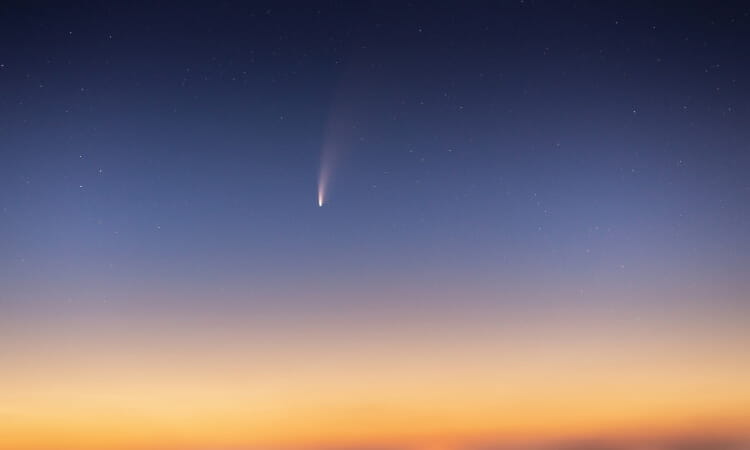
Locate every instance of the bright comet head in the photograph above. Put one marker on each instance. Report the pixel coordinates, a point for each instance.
(322, 183)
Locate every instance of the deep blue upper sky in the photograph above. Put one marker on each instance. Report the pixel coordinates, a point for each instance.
(180, 143)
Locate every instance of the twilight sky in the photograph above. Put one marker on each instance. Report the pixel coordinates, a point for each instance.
(534, 228)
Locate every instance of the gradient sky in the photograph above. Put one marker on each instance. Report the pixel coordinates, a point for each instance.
(535, 226)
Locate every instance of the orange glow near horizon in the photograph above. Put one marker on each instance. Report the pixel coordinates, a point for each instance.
(395, 382)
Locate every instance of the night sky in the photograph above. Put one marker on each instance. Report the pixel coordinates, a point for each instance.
(374, 225)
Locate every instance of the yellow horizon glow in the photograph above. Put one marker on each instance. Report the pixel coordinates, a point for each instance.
(392, 378)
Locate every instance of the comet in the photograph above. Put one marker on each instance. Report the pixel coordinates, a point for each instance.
(324, 175)
(342, 127)
(336, 138)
